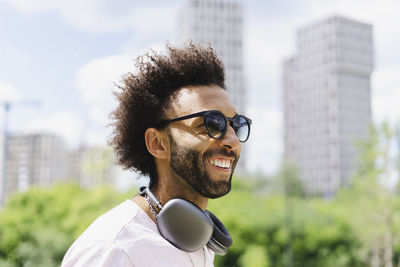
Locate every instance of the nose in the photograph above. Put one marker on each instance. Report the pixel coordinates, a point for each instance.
(230, 139)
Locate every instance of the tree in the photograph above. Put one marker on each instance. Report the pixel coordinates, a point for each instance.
(260, 236)
(372, 204)
(38, 226)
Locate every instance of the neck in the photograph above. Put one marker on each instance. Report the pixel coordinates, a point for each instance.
(171, 186)
(169, 189)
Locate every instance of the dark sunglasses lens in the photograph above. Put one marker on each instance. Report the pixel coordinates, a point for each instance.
(242, 128)
(215, 124)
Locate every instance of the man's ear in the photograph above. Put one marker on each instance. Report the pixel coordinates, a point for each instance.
(156, 143)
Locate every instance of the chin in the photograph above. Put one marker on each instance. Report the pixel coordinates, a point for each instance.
(216, 189)
(219, 194)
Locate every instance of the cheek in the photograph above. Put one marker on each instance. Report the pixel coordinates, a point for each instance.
(189, 140)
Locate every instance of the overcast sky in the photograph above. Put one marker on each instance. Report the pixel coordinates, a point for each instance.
(67, 54)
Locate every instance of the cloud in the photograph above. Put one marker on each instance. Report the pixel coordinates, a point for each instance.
(96, 82)
(64, 124)
(8, 92)
(152, 17)
(96, 79)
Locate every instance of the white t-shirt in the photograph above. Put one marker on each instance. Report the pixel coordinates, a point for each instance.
(126, 236)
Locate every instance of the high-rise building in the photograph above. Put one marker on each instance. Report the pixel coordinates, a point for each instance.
(44, 159)
(33, 159)
(220, 23)
(327, 101)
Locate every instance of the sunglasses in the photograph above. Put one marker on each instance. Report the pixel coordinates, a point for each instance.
(216, 124)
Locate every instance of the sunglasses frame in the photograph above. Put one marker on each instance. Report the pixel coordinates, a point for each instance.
(204, 114)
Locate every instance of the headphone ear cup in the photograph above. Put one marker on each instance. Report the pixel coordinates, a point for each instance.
(220, 239)
(184, 225)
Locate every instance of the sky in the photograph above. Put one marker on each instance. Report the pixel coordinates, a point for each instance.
(60, 60)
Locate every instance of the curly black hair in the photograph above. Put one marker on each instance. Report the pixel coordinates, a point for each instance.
(144, 96)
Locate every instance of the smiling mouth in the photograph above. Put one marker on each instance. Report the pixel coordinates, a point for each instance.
(221, 163)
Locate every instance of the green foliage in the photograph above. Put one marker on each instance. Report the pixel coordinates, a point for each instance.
(375, 204)
(38, 226)
(321, 235)
(255, 256)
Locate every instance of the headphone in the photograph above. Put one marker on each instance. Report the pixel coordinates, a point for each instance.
(188, 227)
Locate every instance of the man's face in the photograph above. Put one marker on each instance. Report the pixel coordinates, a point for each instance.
(206, 164)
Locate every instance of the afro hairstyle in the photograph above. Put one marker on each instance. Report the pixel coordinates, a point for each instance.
(143, 98)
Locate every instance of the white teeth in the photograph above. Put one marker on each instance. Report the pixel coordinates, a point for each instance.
(221, 163)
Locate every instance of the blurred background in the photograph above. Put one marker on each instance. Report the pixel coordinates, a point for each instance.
(317, 184)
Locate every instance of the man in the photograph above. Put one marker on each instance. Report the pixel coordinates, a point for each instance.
(176, 124)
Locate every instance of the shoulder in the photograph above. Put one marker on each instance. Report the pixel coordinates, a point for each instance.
(105, 239)
(123, 219)
(126, 236)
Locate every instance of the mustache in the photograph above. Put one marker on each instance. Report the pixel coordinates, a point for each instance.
(220, 152)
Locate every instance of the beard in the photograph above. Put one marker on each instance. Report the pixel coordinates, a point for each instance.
(190, 166)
